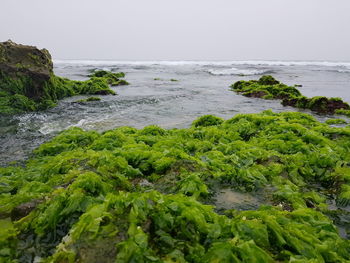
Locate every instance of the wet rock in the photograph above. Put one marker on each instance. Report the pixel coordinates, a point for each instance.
(27, 81)
(26, 62)
(24, 209)
(327, 105)
(269, 88)
(268, 80)
(257, 94)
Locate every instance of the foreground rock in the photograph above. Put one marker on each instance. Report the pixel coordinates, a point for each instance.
(27, 81)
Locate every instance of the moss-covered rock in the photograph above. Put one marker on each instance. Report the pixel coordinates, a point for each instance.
(112, 78)
(27, 81)
(130, 195)
(88, 100)
(269, 88)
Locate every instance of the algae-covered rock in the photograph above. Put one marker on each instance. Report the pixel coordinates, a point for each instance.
(27, 81)
(269, 88)
(149, 195)
(33, 61)
(90, 99)
(318, 104)
(112, 78)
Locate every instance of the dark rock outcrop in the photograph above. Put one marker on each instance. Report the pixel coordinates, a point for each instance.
(29, 62)
(27, 81)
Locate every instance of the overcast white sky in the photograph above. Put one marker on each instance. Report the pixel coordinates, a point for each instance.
(181, 29)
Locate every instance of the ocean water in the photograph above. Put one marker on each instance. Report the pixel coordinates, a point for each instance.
(202, 88)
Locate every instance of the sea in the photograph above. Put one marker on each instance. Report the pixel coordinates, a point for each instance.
(170, 94)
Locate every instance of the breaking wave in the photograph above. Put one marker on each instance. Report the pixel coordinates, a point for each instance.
(206, 63)
(239, 72)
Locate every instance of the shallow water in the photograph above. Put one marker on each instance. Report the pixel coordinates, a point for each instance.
(231, 199)
(202, 88)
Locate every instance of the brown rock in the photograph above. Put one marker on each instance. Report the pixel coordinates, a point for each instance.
(21, 61)
(257, 94)
(24, 209)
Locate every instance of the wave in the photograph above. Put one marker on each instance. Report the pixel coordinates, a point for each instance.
(343, 70)
(204, 63)
(336, 70)
(293, 63)
(236, 71)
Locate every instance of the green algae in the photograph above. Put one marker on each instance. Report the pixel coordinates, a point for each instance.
(269, 88)
(336, 121)
(149, 195)
(343, 112)
(88, 99)
(17, 93)
(113, 79)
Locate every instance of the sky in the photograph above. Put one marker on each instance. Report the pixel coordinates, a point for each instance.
(181, 29)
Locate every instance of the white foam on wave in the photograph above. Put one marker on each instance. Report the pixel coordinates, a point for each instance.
(343, 70)
(57, 126)
(293, 63)
(204, 63)
(236, 71)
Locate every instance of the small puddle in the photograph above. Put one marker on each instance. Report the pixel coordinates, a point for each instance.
(230, 199)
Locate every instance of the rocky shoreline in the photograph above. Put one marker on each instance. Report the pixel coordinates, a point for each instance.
(27, 81)
(154, 194)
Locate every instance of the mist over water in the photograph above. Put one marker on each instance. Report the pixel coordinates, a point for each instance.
(153, 99)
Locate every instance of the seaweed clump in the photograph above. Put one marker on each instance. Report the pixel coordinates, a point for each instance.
(335, 121)
(27, 81)
(269, 88)
(343, 112)
(148, 195)
(113, 79)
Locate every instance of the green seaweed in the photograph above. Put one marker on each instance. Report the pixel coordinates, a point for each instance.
(149, 195)
(88, 99)
(336, 121)
(343, 112)
(112, 79)
(17, 93)
(269, 88)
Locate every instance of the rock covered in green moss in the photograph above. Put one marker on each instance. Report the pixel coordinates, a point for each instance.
(90, 99)
(114, 79)
(130, 195)
(318, 104)
(266, 87)
(27, 81)
(269, 88)
(27, 60)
